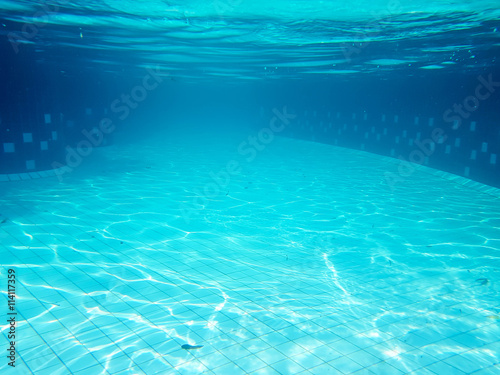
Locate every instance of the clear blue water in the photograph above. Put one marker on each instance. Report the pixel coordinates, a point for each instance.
(224, 187)
(234, 39)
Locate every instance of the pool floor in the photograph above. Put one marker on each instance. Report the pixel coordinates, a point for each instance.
(294, 258)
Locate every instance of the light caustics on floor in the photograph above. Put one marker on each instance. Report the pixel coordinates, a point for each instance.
(305, 262)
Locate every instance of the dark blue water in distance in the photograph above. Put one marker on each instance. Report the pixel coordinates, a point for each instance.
(228, 60)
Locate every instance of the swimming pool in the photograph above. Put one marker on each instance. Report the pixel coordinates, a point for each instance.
(296, 267)
(235, 187)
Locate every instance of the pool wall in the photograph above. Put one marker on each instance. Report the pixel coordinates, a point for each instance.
(469, 150)
(448, 122)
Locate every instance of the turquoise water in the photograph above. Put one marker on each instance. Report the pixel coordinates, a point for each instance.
(289, 270)
(199, 41)
(202, 236)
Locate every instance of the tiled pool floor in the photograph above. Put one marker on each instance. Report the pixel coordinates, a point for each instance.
(304, 262)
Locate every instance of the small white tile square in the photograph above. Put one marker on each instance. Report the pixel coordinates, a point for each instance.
(27, 137)
(30, 164)
(9, 147)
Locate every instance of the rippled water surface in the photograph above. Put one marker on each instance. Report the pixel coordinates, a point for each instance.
(254, 40)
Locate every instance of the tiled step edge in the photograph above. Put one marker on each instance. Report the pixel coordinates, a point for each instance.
(30, 175)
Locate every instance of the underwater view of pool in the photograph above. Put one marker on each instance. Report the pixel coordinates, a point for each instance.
(295, 267)
(230, 187)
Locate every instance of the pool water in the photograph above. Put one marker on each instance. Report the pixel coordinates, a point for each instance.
(299, 261)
